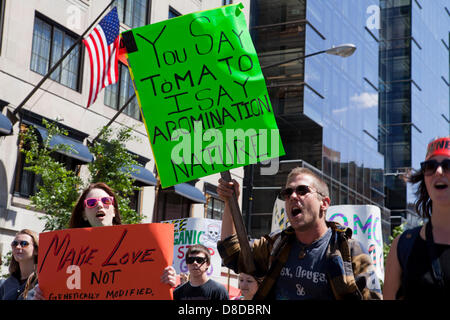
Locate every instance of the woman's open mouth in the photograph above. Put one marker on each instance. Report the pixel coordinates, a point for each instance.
(441, 186)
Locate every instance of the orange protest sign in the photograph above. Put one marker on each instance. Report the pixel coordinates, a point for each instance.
(106, 263)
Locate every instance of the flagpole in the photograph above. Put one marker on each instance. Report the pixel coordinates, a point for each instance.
(134, 95)
(115, 116)
(56, 65)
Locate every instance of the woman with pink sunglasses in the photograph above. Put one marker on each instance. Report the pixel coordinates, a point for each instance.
(418, 264)
(97, 207)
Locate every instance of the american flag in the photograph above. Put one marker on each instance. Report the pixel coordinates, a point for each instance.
(102, 45)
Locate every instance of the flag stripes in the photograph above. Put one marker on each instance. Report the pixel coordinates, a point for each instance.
(102, 45)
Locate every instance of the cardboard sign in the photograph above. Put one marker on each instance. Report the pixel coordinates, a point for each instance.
(202, 94)
(106, 263)
(191, 231)
(365, 222)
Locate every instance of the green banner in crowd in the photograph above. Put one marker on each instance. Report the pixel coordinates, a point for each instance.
(202, 94)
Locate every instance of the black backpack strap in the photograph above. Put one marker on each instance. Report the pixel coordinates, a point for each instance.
(434, 258)
(404, 248)
(405, 244)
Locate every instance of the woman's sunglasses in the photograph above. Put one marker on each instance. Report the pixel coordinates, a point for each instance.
(22, 243)
(429, 167)
(300, 190)
(199, 260)
(92, 202)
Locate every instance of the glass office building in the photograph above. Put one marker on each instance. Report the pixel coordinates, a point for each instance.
(414, 92)
(326, 106)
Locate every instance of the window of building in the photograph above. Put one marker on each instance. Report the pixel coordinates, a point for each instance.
(26, 182)
(117, 94)
(173, 13)
(214, 206)
(171, 206)
(176, 202)
(50, 42)
(141, 180)
(2, 17)
(135, 200)
(133, 13)
(225, 2)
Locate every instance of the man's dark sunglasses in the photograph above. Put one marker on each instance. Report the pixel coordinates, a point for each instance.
(429, 167)
(300, 190)
(199, 260)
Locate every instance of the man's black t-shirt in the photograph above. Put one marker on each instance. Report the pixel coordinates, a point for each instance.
(211, 290)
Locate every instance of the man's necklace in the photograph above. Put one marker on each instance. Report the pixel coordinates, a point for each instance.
(303, 251)
(304, 248)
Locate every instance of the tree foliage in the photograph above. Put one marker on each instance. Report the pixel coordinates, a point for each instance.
(398, 230)
(113, 165)
(59, 188)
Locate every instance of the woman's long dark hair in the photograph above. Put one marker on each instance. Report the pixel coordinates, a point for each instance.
(77, 221)
(423, 204)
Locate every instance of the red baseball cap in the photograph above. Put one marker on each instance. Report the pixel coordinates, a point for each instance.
(438, 147)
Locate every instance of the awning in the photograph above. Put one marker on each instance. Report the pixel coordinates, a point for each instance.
(143, 175)
(5, 126)
(79, 152)
(190, 192)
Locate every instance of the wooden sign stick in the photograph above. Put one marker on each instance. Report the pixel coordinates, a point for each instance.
(240, 229)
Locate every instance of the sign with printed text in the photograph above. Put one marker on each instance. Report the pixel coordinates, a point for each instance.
(202, 94)
(365, 222)
(106, 263)
(191, 231)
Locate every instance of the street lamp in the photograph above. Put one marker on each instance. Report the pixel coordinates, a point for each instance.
(343, 50)
(396, 173)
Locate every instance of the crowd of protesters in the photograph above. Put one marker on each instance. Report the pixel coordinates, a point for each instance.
(417, 266)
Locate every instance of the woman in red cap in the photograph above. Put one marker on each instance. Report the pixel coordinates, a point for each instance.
(418, 264)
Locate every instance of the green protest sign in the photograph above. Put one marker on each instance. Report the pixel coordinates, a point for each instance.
(202, 94)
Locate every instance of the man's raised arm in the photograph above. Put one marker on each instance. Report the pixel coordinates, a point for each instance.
(225, 192)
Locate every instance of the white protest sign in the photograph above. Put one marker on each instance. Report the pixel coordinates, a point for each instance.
(279, 217)
(190, 231)
(365, 221)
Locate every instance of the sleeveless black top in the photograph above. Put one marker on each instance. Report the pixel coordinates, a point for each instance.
(420, 283)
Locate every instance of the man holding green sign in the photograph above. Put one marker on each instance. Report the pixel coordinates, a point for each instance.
(202, 94)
